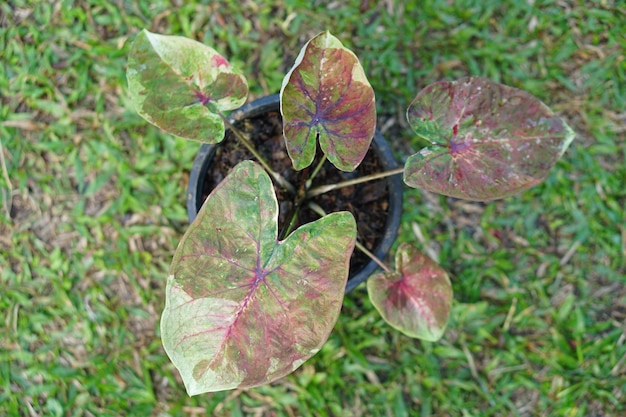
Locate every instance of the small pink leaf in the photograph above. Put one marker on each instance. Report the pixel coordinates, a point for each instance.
(242, 308)
(489, 141)
(417, 298)
(180, 85)
(326, 96)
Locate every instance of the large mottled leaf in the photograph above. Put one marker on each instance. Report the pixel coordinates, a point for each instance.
(326, 97)
(242, 308)
(180, 85)
(488, 140)
(416, 298)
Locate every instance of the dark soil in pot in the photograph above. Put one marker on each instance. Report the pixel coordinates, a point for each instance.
(370, 202)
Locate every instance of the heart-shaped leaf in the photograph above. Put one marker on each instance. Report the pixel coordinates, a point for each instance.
(180, 85)
(242, 308)
(416, 299)
(489, 141)
(327, 96)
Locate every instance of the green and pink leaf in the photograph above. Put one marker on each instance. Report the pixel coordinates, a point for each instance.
(489, 140)
(181, 85)
(416, 298)
(242, 308)
(326, 97)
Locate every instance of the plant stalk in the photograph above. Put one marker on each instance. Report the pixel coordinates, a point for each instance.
(373, 257)
(292, 223)
(315, 172)
(326, 188)
(244, 140)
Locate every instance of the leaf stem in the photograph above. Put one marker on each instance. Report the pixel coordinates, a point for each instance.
(330, 187)
(373, 257)
(316, 208)
(315, 172)
(292, 223)
(244, 140)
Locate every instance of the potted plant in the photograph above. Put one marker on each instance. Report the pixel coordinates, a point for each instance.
(376, 205)
(246, 305)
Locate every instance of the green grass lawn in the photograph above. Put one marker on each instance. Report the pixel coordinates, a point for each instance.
(92, 206)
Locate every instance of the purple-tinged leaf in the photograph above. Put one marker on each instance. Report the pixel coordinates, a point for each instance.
(180, 85)
(417, 298)
(242, 308)
(326, 97)
(489, 140)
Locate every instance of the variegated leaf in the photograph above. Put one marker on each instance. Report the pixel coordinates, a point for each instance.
(326, 97)
(489, 140)
(242, 308)
(181, 85)
(416, 298)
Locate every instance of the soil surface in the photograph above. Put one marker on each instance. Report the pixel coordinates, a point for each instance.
(368, 202)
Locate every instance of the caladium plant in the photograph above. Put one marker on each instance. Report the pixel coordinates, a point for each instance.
(245, 306)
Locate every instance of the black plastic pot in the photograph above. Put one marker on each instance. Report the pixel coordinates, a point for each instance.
(380, 147)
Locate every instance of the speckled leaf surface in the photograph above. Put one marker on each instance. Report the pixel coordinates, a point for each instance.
(489, 140)
(179, 84)
(326, 97)
(242, 308)
(415, 299)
